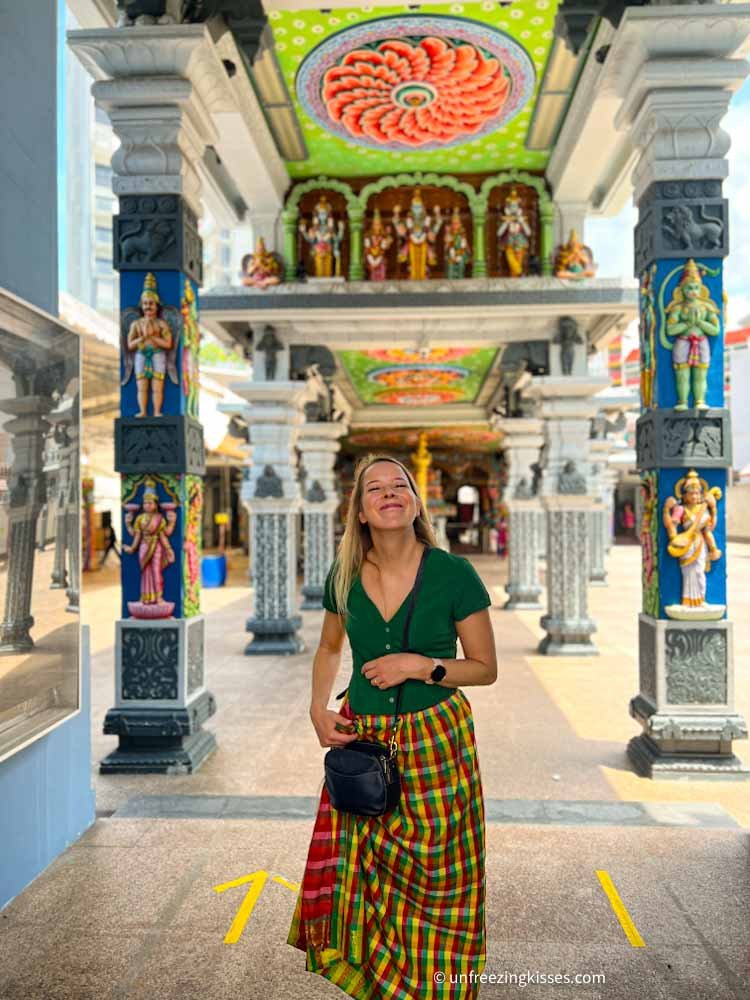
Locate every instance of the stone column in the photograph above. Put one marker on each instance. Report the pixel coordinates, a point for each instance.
(318, 444)
(159, 85)
(567, 622)
(565, 403)
(271, 495)
(59, 418)
(73, 516)
(27, 430)
(599, 449)
(674, 109)
(522, 440)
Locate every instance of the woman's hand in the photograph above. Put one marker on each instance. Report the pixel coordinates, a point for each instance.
(326, 722)
(387, 671)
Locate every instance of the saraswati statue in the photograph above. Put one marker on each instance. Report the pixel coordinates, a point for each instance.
(689, 518)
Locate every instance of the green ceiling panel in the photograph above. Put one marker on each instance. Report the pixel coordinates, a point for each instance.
(478, 124)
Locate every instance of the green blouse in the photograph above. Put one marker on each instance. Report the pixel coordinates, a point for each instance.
(451, 590)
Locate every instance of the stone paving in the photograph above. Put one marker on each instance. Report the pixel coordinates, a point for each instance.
(138, 907)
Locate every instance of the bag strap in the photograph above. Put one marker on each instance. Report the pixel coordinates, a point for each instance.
(405, 640)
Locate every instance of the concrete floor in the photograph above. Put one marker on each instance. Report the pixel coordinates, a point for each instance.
(137, 909)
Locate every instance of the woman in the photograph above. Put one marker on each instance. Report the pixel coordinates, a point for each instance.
(389, 902)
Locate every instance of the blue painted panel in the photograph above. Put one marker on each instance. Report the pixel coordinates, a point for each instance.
(668, 274)
(172, 573)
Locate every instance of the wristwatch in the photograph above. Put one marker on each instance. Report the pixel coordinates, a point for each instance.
(438, 672)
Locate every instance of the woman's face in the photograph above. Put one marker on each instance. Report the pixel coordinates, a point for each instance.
(388, 501)
(149, 505)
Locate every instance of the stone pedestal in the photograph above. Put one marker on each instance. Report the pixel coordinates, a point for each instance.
(318, 444)
(567, 623)
(685, 702)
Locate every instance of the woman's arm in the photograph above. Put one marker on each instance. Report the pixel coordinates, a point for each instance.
(478, 667)
(325, 668)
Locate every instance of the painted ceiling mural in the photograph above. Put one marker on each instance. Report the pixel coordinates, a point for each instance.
(449, 88)
(418, 378)
(458, 440)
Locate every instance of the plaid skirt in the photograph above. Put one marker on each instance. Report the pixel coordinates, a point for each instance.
(390, 904)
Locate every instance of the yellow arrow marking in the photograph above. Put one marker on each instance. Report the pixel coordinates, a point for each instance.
(257, 880)
(621, 913)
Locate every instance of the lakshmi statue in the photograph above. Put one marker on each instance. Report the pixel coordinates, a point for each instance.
(691, 318)
(325, 237)
(260, 269)
(151, 342)
(689, 518)
(457, 252)
(151, 530)
(574, 260)
(418, 233)
(378, 240)
(513, 234)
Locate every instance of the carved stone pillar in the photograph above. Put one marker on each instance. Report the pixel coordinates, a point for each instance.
(685, 702)
(270, 493)
(522, 440)
(597, 569)
(27, 429)
(60, 418)
(73, 518)
(566, 405)
(160, 85)
(318, 444)
(567, 623)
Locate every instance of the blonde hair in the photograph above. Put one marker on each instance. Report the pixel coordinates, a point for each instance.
(357, 540)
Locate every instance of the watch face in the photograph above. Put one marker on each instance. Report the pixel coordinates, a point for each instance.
(438, 672)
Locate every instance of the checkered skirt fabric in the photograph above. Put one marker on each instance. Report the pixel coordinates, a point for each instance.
(387, 902)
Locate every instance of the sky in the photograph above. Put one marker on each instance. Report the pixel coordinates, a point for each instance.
(614, 253)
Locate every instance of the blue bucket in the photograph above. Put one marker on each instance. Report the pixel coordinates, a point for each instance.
(213, 571)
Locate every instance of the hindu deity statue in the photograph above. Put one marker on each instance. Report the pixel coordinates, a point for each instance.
(514, 235)
(574, 260)
(325, 236)
(457, 252)
(689, 518)
(378, 240)
(150, 346)
(151, 530)
(191, 345)
(418, 232)
(691, 319)
(192, 544)
(262, 268)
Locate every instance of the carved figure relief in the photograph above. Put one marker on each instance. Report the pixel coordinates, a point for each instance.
(324, 236)
(191, 345)
(262, 268)
(647, 330)
(150, 336)
(574, 260)
(689, 518)
(192, 545)
(514, 235)
(649, 549)
(691, 318)
(567, 337)
(457, 251)
(378, 241)
(269, 484)
(270, 345)
(417, 232)
(693, 230)
(571, 481)
(150, 524)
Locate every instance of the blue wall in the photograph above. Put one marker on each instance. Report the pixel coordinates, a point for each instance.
(45, 789)
(46, 794)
